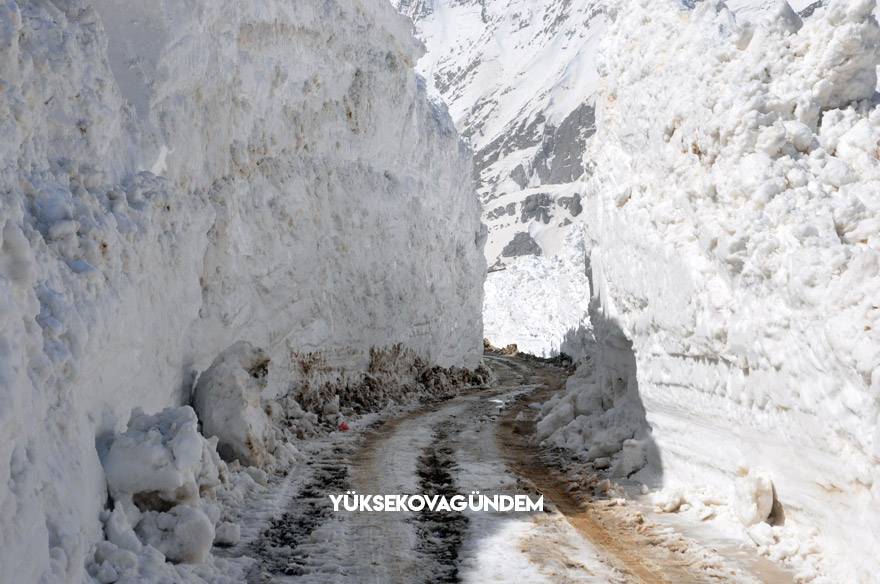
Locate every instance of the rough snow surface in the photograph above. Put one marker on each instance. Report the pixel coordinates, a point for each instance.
(180, 176)
(158, 471)
(540, 304)
(227, 399)
(733, 204)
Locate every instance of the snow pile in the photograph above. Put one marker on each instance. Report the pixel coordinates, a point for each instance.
(395, 375)
(729, 517)
(158, 472)
(182, 534)
(540, 304)
(163, 457)
(599, 416)
(734, 206)
(228, 401)
(180, 176)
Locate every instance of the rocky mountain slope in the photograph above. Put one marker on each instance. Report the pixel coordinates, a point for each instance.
(519, 78)
(181, 176)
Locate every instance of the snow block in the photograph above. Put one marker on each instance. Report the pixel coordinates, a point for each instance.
(227, 399)
(157, 473)
(753, 497)
(183, 534)
(161, 460)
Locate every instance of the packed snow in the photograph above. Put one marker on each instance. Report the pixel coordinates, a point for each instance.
(732, 210)
(178, 177)
(541, 304)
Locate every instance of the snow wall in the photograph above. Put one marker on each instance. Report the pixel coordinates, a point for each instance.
(735, 210)
(177, 176)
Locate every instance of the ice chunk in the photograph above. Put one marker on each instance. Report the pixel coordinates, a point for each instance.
(227, 533)
(668, 500)
(762, 534)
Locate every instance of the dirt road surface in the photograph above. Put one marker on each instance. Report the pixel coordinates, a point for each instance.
(475, 442)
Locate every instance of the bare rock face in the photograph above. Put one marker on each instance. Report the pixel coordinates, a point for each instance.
(521, 244)
(536, 207)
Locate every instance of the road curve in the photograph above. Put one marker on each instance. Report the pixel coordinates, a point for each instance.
(474, 442)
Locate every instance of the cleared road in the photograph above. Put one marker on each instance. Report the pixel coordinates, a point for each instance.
(475, 442)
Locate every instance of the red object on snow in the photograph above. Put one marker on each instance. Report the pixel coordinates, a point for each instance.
(343, 427)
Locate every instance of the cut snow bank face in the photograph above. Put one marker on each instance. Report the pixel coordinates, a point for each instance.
(207, 173)
(734, 207)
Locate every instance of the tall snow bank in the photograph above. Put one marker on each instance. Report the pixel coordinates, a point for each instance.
(180, 176)
(735, 210)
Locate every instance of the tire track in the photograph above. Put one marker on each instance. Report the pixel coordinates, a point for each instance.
(282, 548)
(440, 533)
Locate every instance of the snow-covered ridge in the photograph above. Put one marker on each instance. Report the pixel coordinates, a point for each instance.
(518, 77)
(520, 80)
(734, 207)
(180, 176)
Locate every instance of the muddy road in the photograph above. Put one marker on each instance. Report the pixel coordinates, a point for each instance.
(474, 442)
